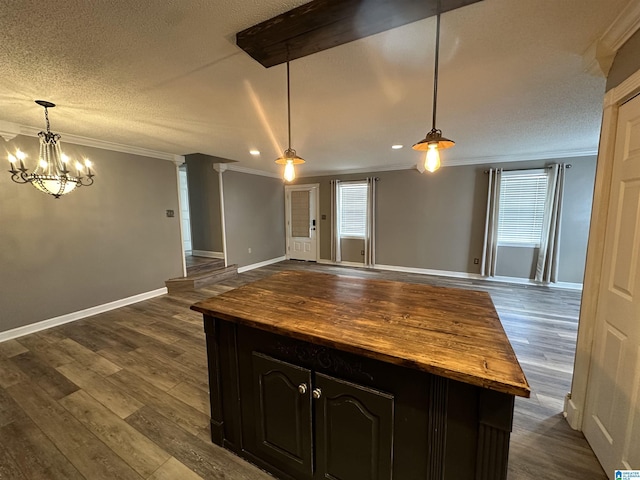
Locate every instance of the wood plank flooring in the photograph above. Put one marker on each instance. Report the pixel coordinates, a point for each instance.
(124, 395)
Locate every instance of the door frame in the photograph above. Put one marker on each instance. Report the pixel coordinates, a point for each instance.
(575, 401)
(313, 187)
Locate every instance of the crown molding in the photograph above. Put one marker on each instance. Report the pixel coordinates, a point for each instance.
(524, 157)
(381, 168)
(10, 130)
(251, 171)
(178, 160)
(598, 58)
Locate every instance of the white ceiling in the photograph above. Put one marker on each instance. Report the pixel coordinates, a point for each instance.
(168, 76)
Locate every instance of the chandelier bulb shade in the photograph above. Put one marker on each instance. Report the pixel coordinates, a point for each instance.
(290, 157)
(433, 142)
(53, 173)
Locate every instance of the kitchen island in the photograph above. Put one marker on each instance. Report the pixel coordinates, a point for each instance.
(317, 376)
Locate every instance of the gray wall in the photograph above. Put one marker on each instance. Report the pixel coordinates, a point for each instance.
(96, 245)
(626, 63)
(204, 203)
(254, 215)
(437, 221)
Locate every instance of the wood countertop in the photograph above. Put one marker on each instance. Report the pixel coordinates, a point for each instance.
(449, 332)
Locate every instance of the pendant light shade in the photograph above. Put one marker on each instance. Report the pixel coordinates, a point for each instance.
(433, 142)
(290, 157)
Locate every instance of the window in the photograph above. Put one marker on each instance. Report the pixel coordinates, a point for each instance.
(352, 209)
(521, 214)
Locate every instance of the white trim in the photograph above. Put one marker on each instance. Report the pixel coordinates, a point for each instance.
(618, 95)
(207, 254)
(572, 413)
(9, 130)
(599, 57)
(72, 317)
(380, 168)
(452, 274)
(427, 271)
(92, 142)
(529, 281)
(574, 410)
(251, 171)
(523, 157)
(253, 266)
(177, 163)
(221, 168)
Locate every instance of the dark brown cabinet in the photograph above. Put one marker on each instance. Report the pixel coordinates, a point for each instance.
(370, 420)
(315, 426)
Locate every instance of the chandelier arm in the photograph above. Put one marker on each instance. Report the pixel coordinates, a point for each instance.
(435, 70)
(19, 176)
(85, 181)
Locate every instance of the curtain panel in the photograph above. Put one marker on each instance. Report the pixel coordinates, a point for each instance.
(336, 255)
(370, 239)
(490, 246)
(547, 264)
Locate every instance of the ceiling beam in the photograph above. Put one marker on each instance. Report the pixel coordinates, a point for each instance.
(323, 24)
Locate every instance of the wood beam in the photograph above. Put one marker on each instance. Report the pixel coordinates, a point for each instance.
(323, 24)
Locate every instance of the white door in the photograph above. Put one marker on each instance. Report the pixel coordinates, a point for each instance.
(184, 207)
(612, 420)
(302, 222)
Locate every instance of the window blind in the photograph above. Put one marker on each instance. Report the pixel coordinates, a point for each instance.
(522, 203)
(353, 209)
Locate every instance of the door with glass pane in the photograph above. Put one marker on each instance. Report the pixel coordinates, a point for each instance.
(302, 222)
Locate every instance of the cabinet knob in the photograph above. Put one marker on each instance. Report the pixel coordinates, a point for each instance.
(302, 389)
(317, 393)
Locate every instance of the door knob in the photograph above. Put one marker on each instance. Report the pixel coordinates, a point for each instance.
(317, 393)
(302, 389)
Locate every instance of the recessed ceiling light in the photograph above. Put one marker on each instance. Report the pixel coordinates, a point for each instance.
(397, 147)
(254, 152)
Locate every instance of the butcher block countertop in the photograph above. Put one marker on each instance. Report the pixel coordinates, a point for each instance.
(449, 332)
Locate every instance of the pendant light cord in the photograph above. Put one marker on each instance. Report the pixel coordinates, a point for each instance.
(435, 70)
(288, 105)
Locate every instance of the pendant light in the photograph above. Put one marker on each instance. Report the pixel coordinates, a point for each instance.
(434, 141)
(290, 158)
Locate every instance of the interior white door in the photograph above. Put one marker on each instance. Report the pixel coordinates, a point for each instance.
(302, 223)
(612, 420)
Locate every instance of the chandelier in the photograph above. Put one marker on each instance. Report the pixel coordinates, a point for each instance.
(290, 158)
(434, 141)
(52, 173)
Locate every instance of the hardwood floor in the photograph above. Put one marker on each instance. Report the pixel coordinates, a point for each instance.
(124, 395)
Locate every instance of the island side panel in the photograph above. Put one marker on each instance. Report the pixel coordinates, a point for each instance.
(211, 330)
(222, 357)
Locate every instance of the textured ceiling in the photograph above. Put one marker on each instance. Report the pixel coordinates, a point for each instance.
(167, 76)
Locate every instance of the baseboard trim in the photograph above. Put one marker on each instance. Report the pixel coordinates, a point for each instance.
(452, 274)
(572, 413)
(427, 271)
(253, 266)
(72, 317)
(207, 254)
(528, 281)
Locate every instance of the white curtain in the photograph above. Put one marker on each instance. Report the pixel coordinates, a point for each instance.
(370, 239)
(490, 247)
(336, 255)
(547, 266)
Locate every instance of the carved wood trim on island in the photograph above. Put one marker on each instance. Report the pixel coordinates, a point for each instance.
(386, 379)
